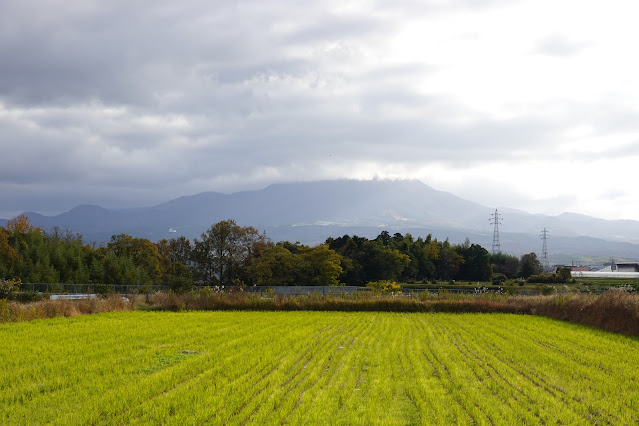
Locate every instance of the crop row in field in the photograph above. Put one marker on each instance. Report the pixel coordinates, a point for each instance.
(315, 367)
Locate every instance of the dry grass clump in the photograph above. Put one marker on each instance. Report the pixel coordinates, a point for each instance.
(15, 311)
(204, 300)
(615, 311)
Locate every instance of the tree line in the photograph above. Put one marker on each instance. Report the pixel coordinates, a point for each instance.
(229, 254)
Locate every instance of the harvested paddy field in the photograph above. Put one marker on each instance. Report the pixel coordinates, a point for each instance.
(315, 368)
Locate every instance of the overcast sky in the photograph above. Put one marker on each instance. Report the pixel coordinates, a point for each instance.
(530, 104)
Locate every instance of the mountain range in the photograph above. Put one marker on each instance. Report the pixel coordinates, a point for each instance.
(312, 211)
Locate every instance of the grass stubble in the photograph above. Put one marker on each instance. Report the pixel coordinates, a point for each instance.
(250, 367)
(358, 361)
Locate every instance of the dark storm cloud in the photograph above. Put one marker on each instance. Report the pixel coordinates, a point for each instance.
(119, 102)
(131, 52)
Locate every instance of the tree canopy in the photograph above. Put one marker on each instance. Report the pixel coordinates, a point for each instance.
(231, 254)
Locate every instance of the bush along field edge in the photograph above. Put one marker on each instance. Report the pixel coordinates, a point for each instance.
(616, 311)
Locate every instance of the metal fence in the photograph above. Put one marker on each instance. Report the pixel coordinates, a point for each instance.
(265, 291)
(137, 289)
(305, 290)
(89, 288)
(477, 290)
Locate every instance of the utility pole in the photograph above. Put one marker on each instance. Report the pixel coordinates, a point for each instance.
(544, 250)
(495, 220)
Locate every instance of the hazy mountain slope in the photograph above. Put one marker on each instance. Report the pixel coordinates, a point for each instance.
(309, 212)
(344, 202)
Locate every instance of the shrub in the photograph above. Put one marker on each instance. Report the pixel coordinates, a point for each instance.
(180, 284)
(27, 296)
(564, 275)
(542, 278)
(498, 279)
(7, 286)
(103, 289)
(547, 290)
(384, 287)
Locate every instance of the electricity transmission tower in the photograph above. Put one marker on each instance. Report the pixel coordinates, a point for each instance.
(496, 221)
(544, 250)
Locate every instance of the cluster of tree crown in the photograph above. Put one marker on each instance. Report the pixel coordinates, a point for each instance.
(229, 254)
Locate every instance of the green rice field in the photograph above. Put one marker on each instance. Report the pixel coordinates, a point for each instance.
(315, 368)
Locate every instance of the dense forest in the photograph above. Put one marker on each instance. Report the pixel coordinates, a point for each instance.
(230, 254)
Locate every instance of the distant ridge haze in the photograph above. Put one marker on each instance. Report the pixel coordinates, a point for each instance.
(307, 211)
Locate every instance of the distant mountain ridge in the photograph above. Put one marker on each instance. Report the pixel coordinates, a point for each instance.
(307, 211)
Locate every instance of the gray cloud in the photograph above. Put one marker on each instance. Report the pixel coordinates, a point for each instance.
(119, 103)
